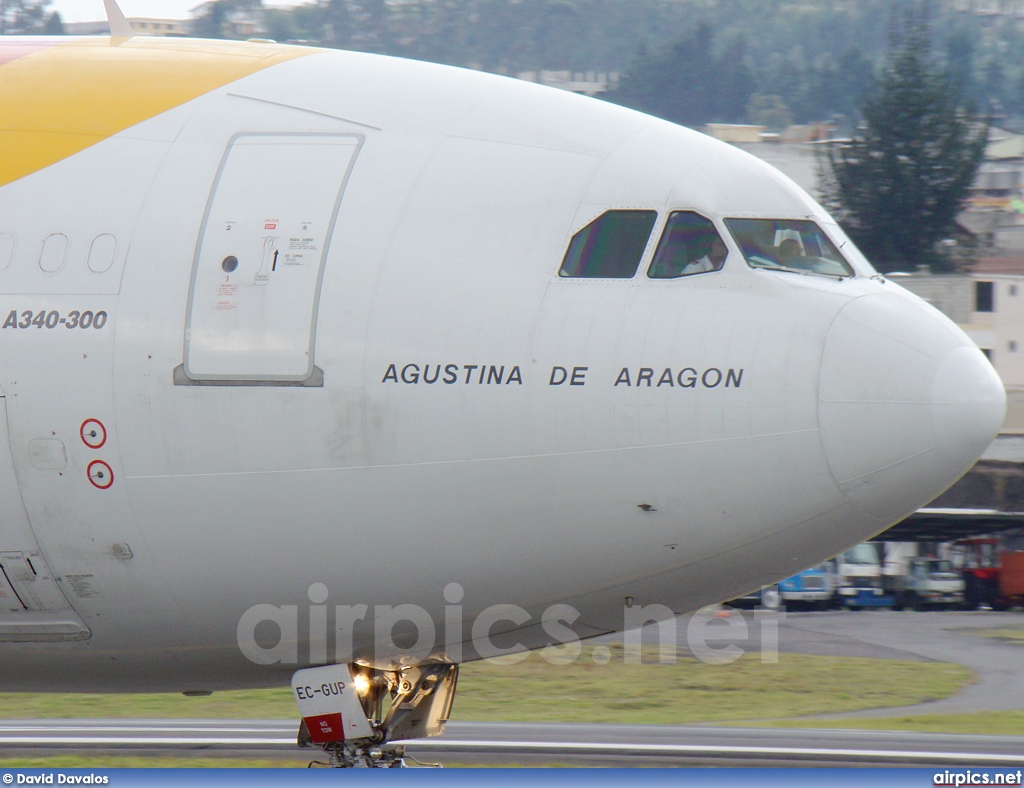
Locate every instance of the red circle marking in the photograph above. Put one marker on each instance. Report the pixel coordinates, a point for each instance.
(100, 475)
(93, 433)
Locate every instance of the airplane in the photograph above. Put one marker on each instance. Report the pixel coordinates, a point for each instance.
(323, 360)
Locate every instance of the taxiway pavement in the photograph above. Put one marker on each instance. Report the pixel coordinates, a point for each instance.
(526, 743)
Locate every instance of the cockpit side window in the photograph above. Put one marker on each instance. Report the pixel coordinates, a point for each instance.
(797, 245)
(610, 247)
(690, 244)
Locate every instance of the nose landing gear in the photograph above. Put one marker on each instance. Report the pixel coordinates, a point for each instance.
(354, 713)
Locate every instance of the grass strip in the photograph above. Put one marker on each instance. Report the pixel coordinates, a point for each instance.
(986, 723)
(1007, 635)
(273, 704)
(85, 761)
(89, 761)
(585, 690)
(691, 691)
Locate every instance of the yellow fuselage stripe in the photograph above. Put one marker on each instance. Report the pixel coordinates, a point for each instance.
(61, 99)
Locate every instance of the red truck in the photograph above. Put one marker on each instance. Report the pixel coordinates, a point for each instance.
(1011, 579)
(991, 578)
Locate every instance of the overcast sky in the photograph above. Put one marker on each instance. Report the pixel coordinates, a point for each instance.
(92, 10)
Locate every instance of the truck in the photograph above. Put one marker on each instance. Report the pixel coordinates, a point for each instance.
(1011, 579)
(979, 563)
(858, 579)
(992, 579)
(813, 588)
(928, 583)
(766, 598)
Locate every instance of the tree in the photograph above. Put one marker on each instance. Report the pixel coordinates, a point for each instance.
(994, 84)
(54, 25)
(960, 55)
(769, 111)
(337, 22)
(280, 25)
(21, 17)
(563, 25)
(211, 23)
(689, 82)
(898, 185)
(227, 18)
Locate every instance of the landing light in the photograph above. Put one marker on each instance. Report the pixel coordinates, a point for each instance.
(362, 684)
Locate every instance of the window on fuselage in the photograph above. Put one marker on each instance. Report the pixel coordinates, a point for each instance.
(610, 247)
(797, 245)
(690, 244)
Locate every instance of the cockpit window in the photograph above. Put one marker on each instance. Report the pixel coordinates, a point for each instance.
(788, 245)
(610, 247)
(689, 245)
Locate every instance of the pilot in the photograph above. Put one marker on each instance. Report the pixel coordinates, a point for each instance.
(712, 260)
(671, 257)
(789, 250)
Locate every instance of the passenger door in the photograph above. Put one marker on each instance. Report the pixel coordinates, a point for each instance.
(256, 277)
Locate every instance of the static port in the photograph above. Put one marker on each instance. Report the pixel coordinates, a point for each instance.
(230, 263)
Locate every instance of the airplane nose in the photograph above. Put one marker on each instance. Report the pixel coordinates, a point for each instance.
(907, 403)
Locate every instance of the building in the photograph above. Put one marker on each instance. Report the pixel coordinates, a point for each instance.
(241, 22)
(143, 26)
(991, 8)
(99, 28)
(799, 161)
(149, 26)
(735, 133)
(987, 303)
(589, 83)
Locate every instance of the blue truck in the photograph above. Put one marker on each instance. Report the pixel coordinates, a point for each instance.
(812, 589)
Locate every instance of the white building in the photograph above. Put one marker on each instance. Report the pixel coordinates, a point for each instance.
(588, 83)
(143, 26)
(988, 304)
(151, 26)
(1011, 8)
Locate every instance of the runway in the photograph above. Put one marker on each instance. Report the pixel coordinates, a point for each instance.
(526, 743)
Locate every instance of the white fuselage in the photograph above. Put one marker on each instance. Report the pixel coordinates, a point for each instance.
(394, 423)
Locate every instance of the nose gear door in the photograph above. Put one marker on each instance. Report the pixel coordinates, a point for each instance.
(32, 605)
